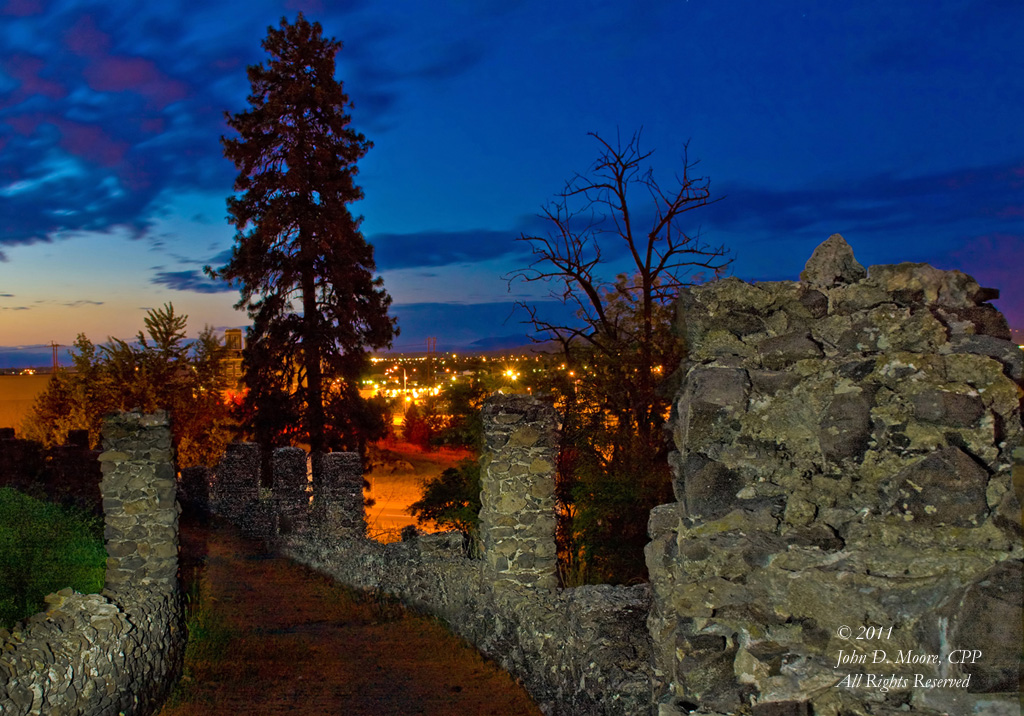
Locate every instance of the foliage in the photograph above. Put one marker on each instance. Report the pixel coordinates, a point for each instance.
(43, 548)
(462, 426)
(304, 270)
(416, 427)
(619, 349)
(453, 499)
(161, 370)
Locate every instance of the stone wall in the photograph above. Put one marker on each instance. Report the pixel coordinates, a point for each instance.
(847, 538)
(119, 652)
(577, 651)
(517, 514)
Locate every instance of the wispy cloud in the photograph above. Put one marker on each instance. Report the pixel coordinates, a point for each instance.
(105, 107)
(441, 248)
(884, 203)
(191, 280)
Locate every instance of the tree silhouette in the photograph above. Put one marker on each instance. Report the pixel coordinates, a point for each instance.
(616, 253)
(300, 261)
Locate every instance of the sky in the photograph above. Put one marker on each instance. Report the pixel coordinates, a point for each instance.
(896, 124)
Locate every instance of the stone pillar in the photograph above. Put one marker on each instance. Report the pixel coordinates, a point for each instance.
(291, 498)
(139, 501)
(517, 518)
(238, 481)
(338, 496)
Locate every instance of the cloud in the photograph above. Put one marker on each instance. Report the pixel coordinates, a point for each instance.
(191, 280)
(442, 248)
(944, 203)
(79, 304)
(133, 98)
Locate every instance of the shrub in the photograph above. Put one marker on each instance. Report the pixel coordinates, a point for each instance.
(452, 500)
(45, 547)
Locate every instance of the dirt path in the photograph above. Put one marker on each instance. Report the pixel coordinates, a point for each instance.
(272, 637)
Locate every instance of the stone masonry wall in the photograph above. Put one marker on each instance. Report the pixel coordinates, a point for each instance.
(119, 652)
(582, 651)
(847, 538)
(517, 516)
(577, 651)
(338, 504)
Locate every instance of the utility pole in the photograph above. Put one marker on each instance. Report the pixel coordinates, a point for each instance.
(431, 352)
(56, 358)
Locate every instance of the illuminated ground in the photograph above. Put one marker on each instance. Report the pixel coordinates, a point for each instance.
(394, 487)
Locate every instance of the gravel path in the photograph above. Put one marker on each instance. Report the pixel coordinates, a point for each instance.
(276, 638)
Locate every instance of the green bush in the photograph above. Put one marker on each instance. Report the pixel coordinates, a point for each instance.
(452, 499)
(43, 548)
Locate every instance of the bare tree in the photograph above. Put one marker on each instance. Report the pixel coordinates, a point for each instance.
(596, 226)
(617, 254)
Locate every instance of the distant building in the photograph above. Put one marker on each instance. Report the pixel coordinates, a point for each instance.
(232, 363)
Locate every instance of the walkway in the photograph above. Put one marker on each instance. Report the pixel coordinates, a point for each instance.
(272, 637)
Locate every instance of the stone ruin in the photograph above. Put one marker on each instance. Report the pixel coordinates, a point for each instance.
(843, 470)
(846, 539)
(118, 652)
(517, 515)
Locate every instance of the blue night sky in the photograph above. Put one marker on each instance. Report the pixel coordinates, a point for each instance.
(897, 124)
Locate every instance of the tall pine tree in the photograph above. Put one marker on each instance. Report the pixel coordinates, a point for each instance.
(303, 267)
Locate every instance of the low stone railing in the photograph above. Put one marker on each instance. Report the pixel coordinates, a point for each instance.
(118, 652)
(577, 651)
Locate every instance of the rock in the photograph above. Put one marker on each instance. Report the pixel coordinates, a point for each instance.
(728, 387)
(815, 302)
(947, 288)
(986, 617)
(770, 382)
(783, 351)
(709, 487)
(782, 708)
(945, 488)
(981, 320)
(941, 406)
(1006, 352)
(832, 264)
(845, 427)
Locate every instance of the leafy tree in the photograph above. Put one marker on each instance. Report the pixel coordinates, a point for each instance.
(304, 269)
(462, 426)
(160, 370)
(416, 427)
(616, 218)
(452, 499)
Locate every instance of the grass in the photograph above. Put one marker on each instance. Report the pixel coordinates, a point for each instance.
(45, 547)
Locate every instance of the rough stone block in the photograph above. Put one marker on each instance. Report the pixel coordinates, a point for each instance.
(831, 264)
(945, 488)
(709, 487)
(845, 428)
(783, 351)
(985, 617)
